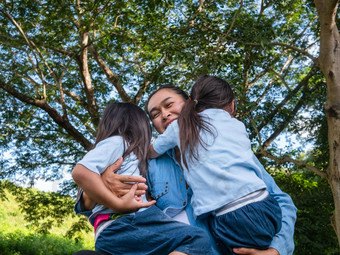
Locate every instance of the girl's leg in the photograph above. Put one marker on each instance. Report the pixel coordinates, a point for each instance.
(88, 252)
(152, 232)
(253, 225)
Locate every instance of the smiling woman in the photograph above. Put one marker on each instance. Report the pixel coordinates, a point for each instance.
(164, 106)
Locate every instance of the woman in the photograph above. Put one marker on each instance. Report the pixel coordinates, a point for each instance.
(169, 189)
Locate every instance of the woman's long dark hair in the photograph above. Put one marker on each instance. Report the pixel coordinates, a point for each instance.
(131, 123)
(207, 92)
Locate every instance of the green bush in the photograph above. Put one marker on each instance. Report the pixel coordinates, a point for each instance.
(46, 225)
(313, 198)
(19, 243)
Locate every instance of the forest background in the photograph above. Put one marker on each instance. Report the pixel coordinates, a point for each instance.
(62, 62)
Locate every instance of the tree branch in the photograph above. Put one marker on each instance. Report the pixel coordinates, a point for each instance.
(113, 78)
(286, 159)
(71, 94)
(53, 113)
(89, 90)
(302, 83)
(199, 9)
(148, 80)
(34, 48)
(284, 123)
(234, 19)
(303, 52)
(247, 113)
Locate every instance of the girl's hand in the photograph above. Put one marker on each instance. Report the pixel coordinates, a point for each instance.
(117, 184)
(131, 203)
(251, 251)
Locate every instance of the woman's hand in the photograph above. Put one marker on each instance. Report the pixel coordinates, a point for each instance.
(251, 251)
(122, 184)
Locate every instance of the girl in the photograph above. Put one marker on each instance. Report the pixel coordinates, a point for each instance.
(124, 130)
(219, 167)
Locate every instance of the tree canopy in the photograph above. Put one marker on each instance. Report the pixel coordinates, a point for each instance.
(61, 62)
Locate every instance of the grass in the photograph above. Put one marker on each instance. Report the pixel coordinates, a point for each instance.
(17, 237)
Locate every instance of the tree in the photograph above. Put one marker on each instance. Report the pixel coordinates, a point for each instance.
(313, 232)
(329, 61)
(61, 62)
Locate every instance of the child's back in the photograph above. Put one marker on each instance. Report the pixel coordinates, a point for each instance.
(224, 167)
(105, 154)
(220, 168)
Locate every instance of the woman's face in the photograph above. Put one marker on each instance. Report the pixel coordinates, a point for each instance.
(164, 107)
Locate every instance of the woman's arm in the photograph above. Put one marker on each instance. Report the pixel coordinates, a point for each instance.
(251, 251)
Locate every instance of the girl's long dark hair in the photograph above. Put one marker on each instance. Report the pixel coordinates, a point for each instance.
(131, 123)
(207, 92)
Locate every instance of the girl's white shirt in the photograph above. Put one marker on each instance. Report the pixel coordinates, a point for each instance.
(225, 170)
(105, 154)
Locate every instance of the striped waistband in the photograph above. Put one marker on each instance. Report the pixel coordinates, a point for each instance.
(101, 227)
(103, 220)
(248, 199)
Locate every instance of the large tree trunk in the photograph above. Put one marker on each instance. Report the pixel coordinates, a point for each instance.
(329, 61)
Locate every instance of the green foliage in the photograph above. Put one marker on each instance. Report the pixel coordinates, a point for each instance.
(17, 243)
(40, 213)
(61, 62)
(313, 198)
(145, 44)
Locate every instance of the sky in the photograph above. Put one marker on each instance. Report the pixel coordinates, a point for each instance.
(51, 186)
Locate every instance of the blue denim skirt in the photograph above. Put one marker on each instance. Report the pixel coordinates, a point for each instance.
(152, 232)
(252, 226)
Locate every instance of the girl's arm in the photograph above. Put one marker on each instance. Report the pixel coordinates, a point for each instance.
(117, 184)
(165, 141)
(153, 153)
(87, 202)
(94, 187)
